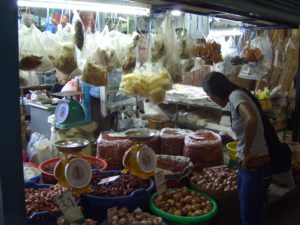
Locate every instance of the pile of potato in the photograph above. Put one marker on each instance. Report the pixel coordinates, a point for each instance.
(41, 199)
(216, 179)
(137, 217)
(183, 202)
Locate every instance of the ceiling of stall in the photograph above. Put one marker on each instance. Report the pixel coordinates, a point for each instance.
(262, 13)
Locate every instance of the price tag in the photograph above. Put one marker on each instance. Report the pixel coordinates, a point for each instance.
(108, 179)
(160, 181)
(68, 206)
(111, 211)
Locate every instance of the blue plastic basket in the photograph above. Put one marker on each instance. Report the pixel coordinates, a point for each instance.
(41, 218)
(95, 207)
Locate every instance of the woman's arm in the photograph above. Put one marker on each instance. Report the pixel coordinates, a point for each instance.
(248, 114)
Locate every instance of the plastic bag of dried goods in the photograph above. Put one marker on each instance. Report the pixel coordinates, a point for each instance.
(112, 147)
(172, 140)
(32, 55)
(204, 147)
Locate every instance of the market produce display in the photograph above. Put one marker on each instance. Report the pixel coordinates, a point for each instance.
(122, 216)
(216, 179)
(122, 186)
(172, 140)
(204, 147)
(183, 202)
(42, 199)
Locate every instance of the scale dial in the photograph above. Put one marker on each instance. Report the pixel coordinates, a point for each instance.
(147, 159)
(78, 173)
(62, 111)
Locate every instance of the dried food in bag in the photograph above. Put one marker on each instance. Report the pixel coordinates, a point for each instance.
(32, 54)
(172, 140)
(128, 65)
(67, 62)
(204, 147)
(95, 75)
(30, 62)
(112, 147)
(79, 34)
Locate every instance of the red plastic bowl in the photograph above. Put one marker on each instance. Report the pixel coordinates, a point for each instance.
(48, 176)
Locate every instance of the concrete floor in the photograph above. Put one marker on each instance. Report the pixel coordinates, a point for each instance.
(285, 210)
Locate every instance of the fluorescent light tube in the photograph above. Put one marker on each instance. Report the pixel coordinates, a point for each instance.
(86, 6)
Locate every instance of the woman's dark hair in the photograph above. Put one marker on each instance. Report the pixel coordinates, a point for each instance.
(217, 83)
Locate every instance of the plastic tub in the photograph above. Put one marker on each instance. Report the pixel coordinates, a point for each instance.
(41, 218)
(49, 177)
(231, 147)
(95, 207)
(185, 220)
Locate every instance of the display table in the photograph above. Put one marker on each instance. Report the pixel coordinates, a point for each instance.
(39, 118)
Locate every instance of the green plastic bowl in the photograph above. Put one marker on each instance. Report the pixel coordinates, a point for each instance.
(185, 220)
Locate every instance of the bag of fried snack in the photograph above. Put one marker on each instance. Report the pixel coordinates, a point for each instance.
(94, 74)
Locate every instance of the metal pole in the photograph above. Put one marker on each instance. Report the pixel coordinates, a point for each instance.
(296, 116)
(12, 203)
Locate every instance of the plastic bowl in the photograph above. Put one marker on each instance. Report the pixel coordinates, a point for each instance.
(185, 220)
(45, 217)
(95, 207)
(231, 147)
(49, 177)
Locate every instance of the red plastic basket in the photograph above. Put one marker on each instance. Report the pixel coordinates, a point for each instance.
(48, 176)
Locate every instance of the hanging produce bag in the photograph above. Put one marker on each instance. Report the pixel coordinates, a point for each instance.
(259, 56)
(67, 61)
(32, 54)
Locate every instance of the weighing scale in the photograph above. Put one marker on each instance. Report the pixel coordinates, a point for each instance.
(140, 160)
(69, 112)
(72, 171)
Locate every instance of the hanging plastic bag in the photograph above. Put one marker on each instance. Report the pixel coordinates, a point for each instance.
(39, 148)
(27, 18)
(32, 54)
(67, 61)
(172, 59)
(94, 74)
(51, 44)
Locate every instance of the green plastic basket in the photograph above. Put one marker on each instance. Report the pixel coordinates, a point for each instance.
(185, 220)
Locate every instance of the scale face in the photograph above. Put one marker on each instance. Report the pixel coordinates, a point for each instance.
(78, 173)
(147, 159)
(62, 112)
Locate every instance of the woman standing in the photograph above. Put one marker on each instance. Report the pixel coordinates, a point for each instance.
(254, 168)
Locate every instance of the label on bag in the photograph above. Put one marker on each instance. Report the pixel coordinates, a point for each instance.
(68, 206)
(108, 179)
(160, 181)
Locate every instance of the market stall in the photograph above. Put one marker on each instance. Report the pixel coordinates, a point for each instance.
(157, 149)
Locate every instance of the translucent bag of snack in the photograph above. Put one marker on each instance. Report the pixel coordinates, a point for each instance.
(204, 147)
(94, 74)
(172, 140)
(32, 54)
(112, 147)
(67, 61)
